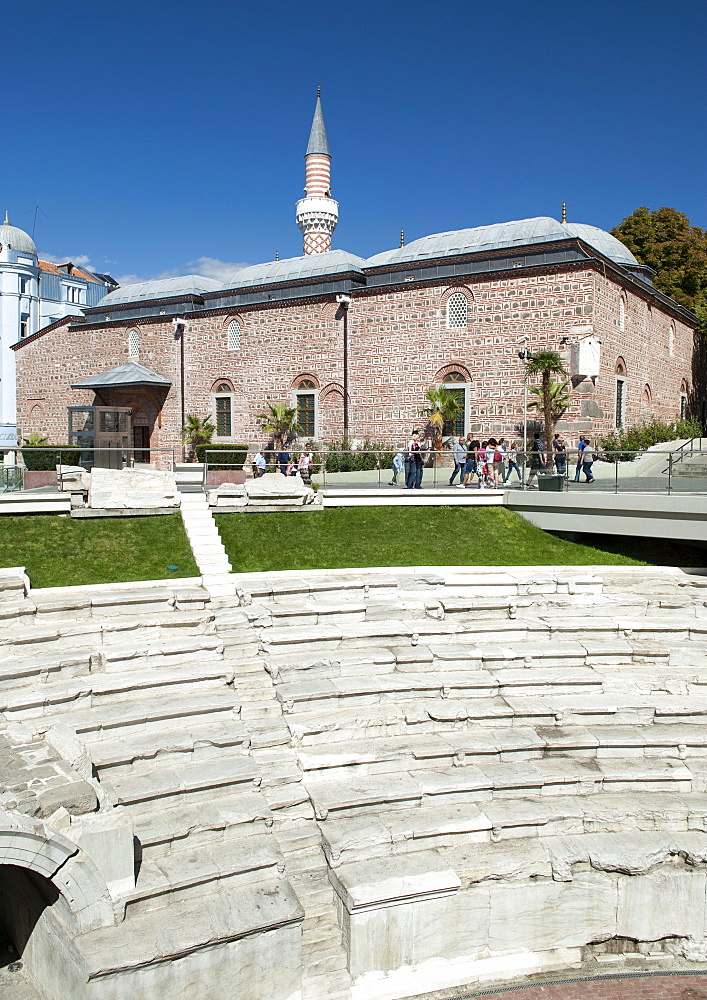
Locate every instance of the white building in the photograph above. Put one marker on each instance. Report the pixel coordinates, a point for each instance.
(33, 294)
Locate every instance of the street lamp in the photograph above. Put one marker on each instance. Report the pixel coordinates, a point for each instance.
(344, 302)
(524, 355)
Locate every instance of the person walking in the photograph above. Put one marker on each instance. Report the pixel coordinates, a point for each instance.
(512, 458)
(470, 463)
(537, 460)
(459, 455)
(414, 479)
(398, 466)
(283, 461)
(559, 451)
(304, 466)
(502, 451)
(587, 461)
(580, 449)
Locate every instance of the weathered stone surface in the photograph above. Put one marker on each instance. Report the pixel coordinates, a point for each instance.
(116, 489)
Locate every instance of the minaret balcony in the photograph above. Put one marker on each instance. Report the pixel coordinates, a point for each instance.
(318, 206)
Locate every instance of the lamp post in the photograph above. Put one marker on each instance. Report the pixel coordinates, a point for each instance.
(524, 355)
(344, 302)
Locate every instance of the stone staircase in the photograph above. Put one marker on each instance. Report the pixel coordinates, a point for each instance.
(339, 765)
(207, 547)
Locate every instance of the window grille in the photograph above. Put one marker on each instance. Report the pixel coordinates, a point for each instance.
(234, 335)
(622, 314)
(457, 311)
(306, 414)
(134, 344)
(620, 401)
(671, 340)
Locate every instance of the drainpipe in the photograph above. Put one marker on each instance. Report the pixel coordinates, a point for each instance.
(180, 327)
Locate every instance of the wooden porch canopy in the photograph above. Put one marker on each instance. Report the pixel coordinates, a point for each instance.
(129, 375)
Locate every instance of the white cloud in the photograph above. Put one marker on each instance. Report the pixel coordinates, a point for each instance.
(212, 267)
(80, 259)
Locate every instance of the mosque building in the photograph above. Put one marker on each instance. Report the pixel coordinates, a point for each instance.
(34, 293)
(450, 309)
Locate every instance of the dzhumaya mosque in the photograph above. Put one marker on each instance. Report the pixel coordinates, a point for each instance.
(447, 309)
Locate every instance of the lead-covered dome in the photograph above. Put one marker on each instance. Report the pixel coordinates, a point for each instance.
(16, 239)
(505, 235)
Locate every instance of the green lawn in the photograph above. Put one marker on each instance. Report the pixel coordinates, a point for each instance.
(398, 536)
(60, 551)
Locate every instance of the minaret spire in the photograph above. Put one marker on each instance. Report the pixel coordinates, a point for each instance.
(317, 212)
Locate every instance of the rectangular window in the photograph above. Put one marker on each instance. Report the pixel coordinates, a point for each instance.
(305, 413)
(683, 406)
(24, 326)
(24, 284)
(620, 401)
(223, 416)
(456, 427)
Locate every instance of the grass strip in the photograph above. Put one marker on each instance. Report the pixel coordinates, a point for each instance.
(349, 537)
(61, 551)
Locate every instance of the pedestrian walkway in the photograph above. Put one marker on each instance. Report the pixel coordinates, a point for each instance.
(207, 547)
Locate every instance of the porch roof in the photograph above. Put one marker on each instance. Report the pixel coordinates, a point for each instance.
(128, 374)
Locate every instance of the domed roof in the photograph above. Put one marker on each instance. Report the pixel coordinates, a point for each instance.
(160, 288)
(16, 239)
(522, 232)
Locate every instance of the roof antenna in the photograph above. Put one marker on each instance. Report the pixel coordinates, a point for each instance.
(564, 211)
(402, 237)
(277, 255)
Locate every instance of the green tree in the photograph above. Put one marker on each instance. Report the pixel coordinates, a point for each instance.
(677, 251)
(546, 364)
(442, 407)
(560, 398)
(196, 431)
(280, 422)
(35, 440)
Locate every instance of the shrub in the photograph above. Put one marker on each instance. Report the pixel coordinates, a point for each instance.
(624, 441)
(230, 456)
(339, 457)
(47, 459)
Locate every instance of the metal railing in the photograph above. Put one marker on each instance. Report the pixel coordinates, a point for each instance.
(613, 471)
(60, 458)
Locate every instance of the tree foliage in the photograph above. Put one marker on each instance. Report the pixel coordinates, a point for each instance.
(560, 397)
(280, 422)
(677, 251)
(196, 431)
(546, 364)
(442, 407)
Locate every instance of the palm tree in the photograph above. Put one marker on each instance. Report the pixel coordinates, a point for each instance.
(546, 364)
(443, 407)
(280, 422)
(560, 399)
(196, 431)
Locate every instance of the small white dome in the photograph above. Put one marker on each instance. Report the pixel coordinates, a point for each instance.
(16, 239)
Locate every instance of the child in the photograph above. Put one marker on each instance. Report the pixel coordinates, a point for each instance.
(398, 466)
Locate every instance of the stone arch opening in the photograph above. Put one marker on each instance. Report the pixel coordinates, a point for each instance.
(50, 891)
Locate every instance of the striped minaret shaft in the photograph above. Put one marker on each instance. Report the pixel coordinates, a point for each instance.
(317, 212)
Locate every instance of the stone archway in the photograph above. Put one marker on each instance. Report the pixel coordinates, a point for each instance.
(50, 892)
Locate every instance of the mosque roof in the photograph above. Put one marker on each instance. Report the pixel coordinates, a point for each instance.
(16, 239)
(504, 235)
(161, 288)
(317, 136)
(298, 268)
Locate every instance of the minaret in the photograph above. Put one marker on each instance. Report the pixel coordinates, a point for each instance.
(317, 212)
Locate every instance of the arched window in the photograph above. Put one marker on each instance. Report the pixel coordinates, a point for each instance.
(457, 311)
(306, 403)
(234, 335)
(134, 344)
(683, 400)
(223, 406)
(671, 341)
(620, 408)
(622, 313)
(454, 382)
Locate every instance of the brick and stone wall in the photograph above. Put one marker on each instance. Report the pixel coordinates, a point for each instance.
(399, 346)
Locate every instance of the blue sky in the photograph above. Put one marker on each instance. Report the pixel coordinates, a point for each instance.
(168, 138)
